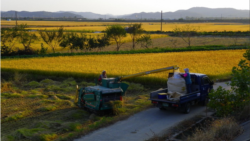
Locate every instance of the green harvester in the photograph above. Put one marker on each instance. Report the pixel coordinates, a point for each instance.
(97, 98)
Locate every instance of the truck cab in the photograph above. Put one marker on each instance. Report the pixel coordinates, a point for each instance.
(201, 86)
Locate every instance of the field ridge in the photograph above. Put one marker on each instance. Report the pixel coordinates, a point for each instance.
(151, 50)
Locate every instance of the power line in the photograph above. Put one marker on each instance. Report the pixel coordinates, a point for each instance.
(16, 18)
(161, 21)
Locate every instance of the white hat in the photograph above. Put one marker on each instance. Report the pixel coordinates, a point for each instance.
(186, 70)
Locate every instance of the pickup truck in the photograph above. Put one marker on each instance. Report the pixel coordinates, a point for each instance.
(201, 86)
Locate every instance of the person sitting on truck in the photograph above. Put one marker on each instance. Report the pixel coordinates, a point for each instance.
(103, 75)
(188, 80)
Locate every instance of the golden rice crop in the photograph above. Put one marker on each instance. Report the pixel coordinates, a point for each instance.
(148, 26)
(216, 64)
(165, 27)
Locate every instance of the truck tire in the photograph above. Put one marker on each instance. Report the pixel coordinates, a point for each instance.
(187, 108)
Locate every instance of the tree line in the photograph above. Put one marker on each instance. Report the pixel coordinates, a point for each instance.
(71, 40)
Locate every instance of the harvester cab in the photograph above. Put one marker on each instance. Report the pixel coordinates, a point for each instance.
(96, 98)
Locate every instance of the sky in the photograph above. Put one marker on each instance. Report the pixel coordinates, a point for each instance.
(118, 7)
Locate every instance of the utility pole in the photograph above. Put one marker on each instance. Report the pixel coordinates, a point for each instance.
(161, 21)
(16, 18)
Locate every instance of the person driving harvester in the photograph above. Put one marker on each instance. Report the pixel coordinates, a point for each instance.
(103, 75)
(188, 80)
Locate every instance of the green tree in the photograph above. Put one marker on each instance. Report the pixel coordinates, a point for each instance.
(116, 33)
(84, 44)
(226, 102)
(145, 41)
(76, 41)
(247, 55)
(103, 41)
(52, 38)
(186, 32)
(70, 40)
(26, 37)
(92, 42)
(43, 50)
(8, 40)
(135, 32)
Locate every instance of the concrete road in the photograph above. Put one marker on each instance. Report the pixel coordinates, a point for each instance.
(145, 124)
(222, 84)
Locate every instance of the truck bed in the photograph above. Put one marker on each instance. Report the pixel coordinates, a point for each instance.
(183, 99)
(163, 100)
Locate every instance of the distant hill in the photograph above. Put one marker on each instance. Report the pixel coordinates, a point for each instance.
(196, 12)
(40, 14)
(90, 15)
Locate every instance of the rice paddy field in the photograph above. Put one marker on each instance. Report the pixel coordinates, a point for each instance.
(49, 104)
(159, 40)
(148, 26)
(216, 64)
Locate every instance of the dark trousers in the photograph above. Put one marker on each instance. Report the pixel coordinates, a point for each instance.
(188, 88)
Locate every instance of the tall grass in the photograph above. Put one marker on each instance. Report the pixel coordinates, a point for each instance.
(223, 129)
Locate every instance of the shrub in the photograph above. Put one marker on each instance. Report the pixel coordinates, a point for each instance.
(227, 102)
(33, 84)
(47, 81)
(222, 101)
(26, 133)
(48, 137)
